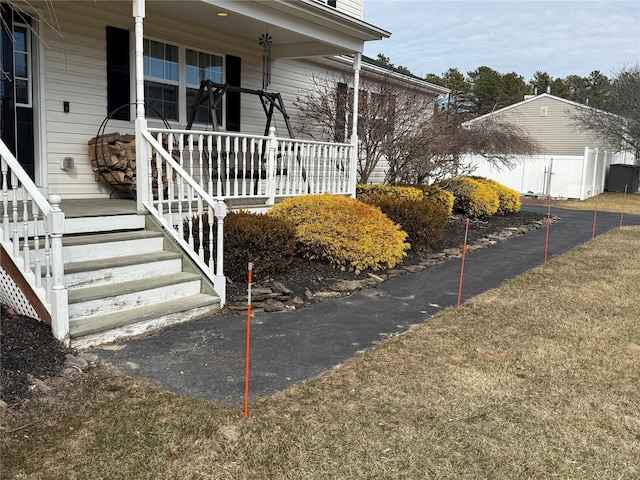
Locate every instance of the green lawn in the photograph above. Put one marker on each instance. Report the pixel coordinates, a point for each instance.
(539, 378)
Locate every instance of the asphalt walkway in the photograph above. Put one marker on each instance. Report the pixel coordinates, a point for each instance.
(205, 358)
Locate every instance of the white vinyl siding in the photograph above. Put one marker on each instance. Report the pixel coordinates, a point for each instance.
(75, 72)
(351, 7)
(554, 130)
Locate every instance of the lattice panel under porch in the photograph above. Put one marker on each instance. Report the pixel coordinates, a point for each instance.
(13, 297)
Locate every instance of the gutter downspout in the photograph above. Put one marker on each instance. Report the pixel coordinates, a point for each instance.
(357, 59)
(142, 153)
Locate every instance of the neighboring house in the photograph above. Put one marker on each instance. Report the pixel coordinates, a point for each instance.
(574, 163)
(98, 260)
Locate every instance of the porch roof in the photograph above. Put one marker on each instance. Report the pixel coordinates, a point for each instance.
(299, 28)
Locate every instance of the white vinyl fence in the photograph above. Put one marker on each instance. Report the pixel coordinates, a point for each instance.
(560, 176)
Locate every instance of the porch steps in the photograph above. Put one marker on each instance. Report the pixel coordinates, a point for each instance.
(125, 279)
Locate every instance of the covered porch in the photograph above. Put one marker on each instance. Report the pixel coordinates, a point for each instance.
(180, 172)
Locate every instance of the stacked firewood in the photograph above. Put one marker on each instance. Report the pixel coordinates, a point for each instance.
(113, 158)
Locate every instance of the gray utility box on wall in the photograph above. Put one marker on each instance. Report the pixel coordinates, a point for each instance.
(621, 176)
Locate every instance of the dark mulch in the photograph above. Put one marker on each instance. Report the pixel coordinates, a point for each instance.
(315, 276)
(29, 350)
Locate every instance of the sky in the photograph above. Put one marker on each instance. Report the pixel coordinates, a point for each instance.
(566, 37)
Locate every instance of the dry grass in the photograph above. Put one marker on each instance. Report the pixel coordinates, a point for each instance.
(539, 378)
(607, 202)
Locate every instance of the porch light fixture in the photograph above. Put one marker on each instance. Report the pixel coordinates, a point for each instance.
(222, 14)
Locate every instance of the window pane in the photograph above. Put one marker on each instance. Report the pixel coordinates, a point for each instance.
(192, 57)
(22, 91)
(156, 68)
(192, 75)
(156, 49)
(21, 65)
(162, 100)
(192, 67)
(20, 39)
(171, 71)
(171, 53)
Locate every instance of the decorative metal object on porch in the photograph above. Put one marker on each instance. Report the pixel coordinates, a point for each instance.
(113, 159)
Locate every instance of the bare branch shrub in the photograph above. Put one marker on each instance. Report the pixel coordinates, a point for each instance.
(390, 116)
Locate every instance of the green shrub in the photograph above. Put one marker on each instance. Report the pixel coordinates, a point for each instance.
(472, 198)
(344, 232)
(269, 242)
(423, 219)
(509, 199)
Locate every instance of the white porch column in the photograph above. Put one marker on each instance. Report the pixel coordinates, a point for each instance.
(142, 153)
(353, 177)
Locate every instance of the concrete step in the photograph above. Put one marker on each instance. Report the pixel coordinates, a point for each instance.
(93, 273)
(73, 226)
(105, 223)
(109, 245)
(87, 332)
(101, 300)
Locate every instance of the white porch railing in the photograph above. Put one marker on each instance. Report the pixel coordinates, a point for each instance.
(31, 234)
(230, 166)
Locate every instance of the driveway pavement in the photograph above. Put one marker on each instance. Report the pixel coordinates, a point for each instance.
(205, 358)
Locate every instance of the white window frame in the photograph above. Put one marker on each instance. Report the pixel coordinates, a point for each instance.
(165, 81)
(30, 58)
(181, 83)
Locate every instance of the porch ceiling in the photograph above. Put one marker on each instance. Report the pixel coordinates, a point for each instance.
(299, 28)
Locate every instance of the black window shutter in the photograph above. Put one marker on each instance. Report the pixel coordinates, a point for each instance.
(118, 75)
(233, 74)
(331, 3)
(341, 112)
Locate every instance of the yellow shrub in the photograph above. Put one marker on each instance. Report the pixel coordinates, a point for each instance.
(344, 232)
(509, 199)
(439, 195)
(393, 191)
(473, 198)
(410, 192)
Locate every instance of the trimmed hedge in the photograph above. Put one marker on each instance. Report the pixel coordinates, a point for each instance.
(342, 231)
(268, 242)
(397, 191)
(509, 199)
(423, 219)
(473, 199)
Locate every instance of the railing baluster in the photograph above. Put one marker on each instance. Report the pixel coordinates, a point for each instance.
(25, 230)
(227, 158)
(200, 231)
(36, 244)
(4, 170)
(15, 237)
(211, 222)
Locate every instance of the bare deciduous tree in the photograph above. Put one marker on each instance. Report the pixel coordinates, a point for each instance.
(437, 152)
(390, 116)
(620, 124)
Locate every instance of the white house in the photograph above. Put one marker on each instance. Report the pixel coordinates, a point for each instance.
(98, 262)
(574, 162)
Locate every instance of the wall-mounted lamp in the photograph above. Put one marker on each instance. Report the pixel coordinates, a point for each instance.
(222, 14)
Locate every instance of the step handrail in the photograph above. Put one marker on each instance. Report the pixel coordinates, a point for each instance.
(22, 237)
(214, 270)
